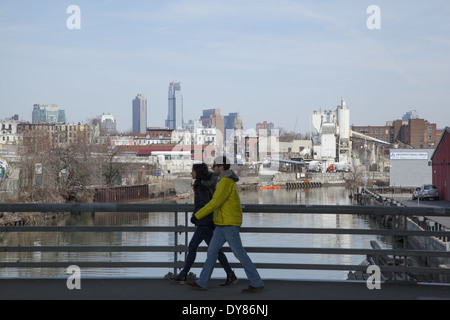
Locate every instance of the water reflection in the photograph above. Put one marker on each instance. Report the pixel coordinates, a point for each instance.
(327, 196)
(324, 196)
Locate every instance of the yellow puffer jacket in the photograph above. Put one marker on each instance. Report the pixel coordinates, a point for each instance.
(225, 202)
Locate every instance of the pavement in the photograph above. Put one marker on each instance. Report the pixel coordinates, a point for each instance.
(162, 289)
(407, 201)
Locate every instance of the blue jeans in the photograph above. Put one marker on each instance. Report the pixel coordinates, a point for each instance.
(231, 235)
(203, 233)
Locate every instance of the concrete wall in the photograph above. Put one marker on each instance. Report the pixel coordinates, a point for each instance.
(281, 178)
(432, 244)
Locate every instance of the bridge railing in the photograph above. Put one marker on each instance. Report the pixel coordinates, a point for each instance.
(182, 226)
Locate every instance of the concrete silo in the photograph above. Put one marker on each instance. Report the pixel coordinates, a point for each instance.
(343, 119)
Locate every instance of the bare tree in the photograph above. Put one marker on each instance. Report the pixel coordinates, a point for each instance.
(357, 176)
(34, 142)
(63, 165)
(111, 166)
(71, 167)
(55, 167)
(286, 136)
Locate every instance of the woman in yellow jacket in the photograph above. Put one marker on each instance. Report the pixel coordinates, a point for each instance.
(226, 205)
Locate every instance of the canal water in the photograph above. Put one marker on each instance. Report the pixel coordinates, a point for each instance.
(323, 196)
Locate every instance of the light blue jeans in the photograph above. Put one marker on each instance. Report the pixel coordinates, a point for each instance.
(231, 235)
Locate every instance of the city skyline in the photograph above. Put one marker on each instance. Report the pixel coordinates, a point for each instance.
(270, 60)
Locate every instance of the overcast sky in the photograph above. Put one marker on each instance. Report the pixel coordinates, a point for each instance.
(271, 60)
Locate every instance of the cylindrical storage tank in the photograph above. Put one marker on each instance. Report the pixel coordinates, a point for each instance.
(343, 117)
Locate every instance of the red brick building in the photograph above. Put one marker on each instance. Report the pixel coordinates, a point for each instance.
(159, 133)
(384, 133)
(417, 133)
(441, 165)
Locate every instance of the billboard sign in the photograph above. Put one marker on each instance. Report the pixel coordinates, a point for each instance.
(408, 155)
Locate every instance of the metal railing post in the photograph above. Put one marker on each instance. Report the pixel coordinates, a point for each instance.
(405, 244)
(175, 253)
(186, 239)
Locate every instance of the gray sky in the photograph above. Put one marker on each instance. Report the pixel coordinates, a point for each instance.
(270, 60)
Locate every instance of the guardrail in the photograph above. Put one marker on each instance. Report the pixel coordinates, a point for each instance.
(182, 226)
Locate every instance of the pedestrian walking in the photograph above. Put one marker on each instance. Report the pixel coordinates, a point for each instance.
(226, 205)
(204, 186)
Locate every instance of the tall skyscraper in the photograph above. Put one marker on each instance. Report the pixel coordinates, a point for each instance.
(175, 109)
(48, 113)
(140, 114)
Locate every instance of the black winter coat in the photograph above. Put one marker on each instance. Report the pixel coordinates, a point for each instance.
(203, 193)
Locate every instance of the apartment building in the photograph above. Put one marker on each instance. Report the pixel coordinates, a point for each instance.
(415, 133)
(212, 118)
(8, 132)
(54, 133)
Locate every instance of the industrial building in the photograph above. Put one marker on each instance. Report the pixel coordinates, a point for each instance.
(441, 165)
(410, 132)
(332, 142)
(410, 167)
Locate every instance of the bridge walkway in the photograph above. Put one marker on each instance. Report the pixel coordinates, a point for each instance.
(161, 289)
